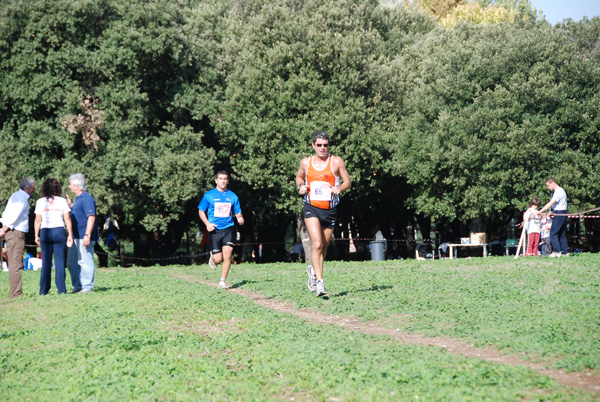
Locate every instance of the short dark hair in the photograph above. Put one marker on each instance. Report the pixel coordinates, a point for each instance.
(51, 188)
(550, 180)
(534, 201)
(222, 172)
(320, 134)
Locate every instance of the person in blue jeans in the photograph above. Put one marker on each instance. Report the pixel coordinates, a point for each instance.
(558, 232)
(51, 217)
(85, 235)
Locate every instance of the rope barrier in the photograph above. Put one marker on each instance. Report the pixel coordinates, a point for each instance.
(144, 259)
(579, 214)
(205, 254)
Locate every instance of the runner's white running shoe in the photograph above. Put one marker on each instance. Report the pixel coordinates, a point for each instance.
(312, 278)
(211, 263)
(223, 285)
(321, 288)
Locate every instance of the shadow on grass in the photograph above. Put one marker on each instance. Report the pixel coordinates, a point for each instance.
(116, 288)
(247, 281)
(374, 288)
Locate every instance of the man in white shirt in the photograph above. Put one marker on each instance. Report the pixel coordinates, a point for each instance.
(15, 223)
(558, 235)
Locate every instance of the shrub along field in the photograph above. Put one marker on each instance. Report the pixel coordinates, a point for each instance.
(148, 334)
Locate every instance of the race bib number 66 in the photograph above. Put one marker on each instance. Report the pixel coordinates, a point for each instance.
(320, 191)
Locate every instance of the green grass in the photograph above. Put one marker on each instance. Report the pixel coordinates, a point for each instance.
(146, 335)
(546, 308)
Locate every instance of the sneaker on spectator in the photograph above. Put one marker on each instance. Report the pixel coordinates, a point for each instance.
(321, 288)
(223, 285)
(554, 254)
(211, 263)
(312, 278)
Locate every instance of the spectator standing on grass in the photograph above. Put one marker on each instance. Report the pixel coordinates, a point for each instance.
(546, 227)
(85, 235)
(15, 223)
(51, 217)
(532, 222)
(558, 232)
(215, 210)
(318, 181)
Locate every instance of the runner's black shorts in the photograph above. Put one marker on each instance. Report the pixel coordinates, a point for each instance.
(219, 238)
(327, 217)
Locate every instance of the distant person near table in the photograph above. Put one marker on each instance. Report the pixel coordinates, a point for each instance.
(558, 232)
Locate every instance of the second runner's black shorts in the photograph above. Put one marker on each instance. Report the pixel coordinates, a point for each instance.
(219, 238)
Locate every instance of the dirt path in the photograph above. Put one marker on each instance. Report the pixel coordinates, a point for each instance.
(587, 381)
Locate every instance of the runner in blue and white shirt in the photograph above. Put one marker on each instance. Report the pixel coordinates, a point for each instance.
(215, 210)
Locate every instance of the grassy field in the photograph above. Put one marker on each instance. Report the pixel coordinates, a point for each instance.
(146, 334)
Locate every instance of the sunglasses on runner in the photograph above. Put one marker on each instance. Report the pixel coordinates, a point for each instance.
(321, 145)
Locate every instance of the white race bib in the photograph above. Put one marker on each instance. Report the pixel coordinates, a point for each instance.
(320, 191)
(222, 209)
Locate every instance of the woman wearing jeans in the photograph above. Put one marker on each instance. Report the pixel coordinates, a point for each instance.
(51, 217)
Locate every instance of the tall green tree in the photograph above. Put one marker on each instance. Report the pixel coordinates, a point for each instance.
(293, 68)
(487, 113)
(97, 87)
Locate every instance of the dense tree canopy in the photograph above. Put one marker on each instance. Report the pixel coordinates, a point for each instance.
(131, 61)
(489, 112)
(437, 120)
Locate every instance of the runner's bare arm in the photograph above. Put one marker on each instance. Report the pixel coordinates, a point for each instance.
(240, 218)
(302, 187)
(340, 168)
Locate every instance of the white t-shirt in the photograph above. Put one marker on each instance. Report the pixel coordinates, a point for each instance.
(535, 223)
(52, 212)
(560, 196)
(16, 213)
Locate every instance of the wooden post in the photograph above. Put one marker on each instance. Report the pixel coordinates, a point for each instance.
(521, 241)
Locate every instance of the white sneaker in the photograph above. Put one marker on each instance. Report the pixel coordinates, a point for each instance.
(211, 263)
(223, 285)
(554, 255)
(321, 288)
(312, 278)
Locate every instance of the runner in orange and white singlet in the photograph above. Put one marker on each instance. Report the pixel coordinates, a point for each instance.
(320, 182)
(320, 179)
